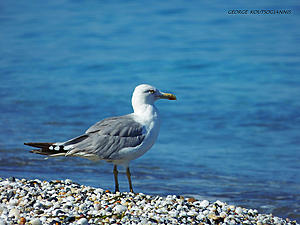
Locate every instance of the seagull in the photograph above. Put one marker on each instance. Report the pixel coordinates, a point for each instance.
(117, 140)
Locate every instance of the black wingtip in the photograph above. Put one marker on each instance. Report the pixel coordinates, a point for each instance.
(38, 144)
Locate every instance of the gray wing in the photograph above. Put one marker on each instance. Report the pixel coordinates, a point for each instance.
(107, 137)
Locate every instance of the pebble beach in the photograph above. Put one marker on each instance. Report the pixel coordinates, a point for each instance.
(65, 202)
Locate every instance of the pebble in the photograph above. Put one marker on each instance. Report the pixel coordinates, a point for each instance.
(239, 210)
(204, 204)
(35, 221)
(14, 212)
(58, 202)
(119, 209)
(22, 221)
(82, 221)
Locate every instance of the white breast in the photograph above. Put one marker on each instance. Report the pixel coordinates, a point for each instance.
(151, 123)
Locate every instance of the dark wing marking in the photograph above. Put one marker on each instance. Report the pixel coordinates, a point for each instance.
(43, 148)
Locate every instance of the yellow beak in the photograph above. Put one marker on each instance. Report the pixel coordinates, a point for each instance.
(167, 96)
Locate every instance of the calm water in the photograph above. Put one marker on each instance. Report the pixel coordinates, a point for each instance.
(233, 134)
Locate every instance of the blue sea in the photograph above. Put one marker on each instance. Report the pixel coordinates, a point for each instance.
(234, 132)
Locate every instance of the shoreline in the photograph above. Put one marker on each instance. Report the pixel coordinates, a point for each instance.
(64, 202)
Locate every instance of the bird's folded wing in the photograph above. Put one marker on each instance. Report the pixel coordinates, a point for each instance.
(107, 137)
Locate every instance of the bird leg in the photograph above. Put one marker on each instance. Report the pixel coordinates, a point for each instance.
(116, 179)
(129, 179)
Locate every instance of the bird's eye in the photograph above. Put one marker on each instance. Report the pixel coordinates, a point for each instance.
(151, 91)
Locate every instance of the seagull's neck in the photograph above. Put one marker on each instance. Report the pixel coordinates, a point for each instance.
(146, 112)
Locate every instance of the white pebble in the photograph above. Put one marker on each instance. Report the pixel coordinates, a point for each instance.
(37, 205)
(119, 208)
(179, 207)
(82, 207)
(97, 206)
(48, 204)
(68, 181)
(70, 199)
(239, 210)
(204, 204)
(35, 221)
(219, 203)
(173, 213)
(232, 207)
(13, 202)
(82, 221)
(43, 219)
(223, 214)
(147, 207)
(200, 217)
(205, 212)
(191, 213)
(99, 191)
(67, 206)
(182, 213)
(14, 212)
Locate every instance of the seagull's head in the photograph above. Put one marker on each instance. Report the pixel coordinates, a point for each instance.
(147, 94)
